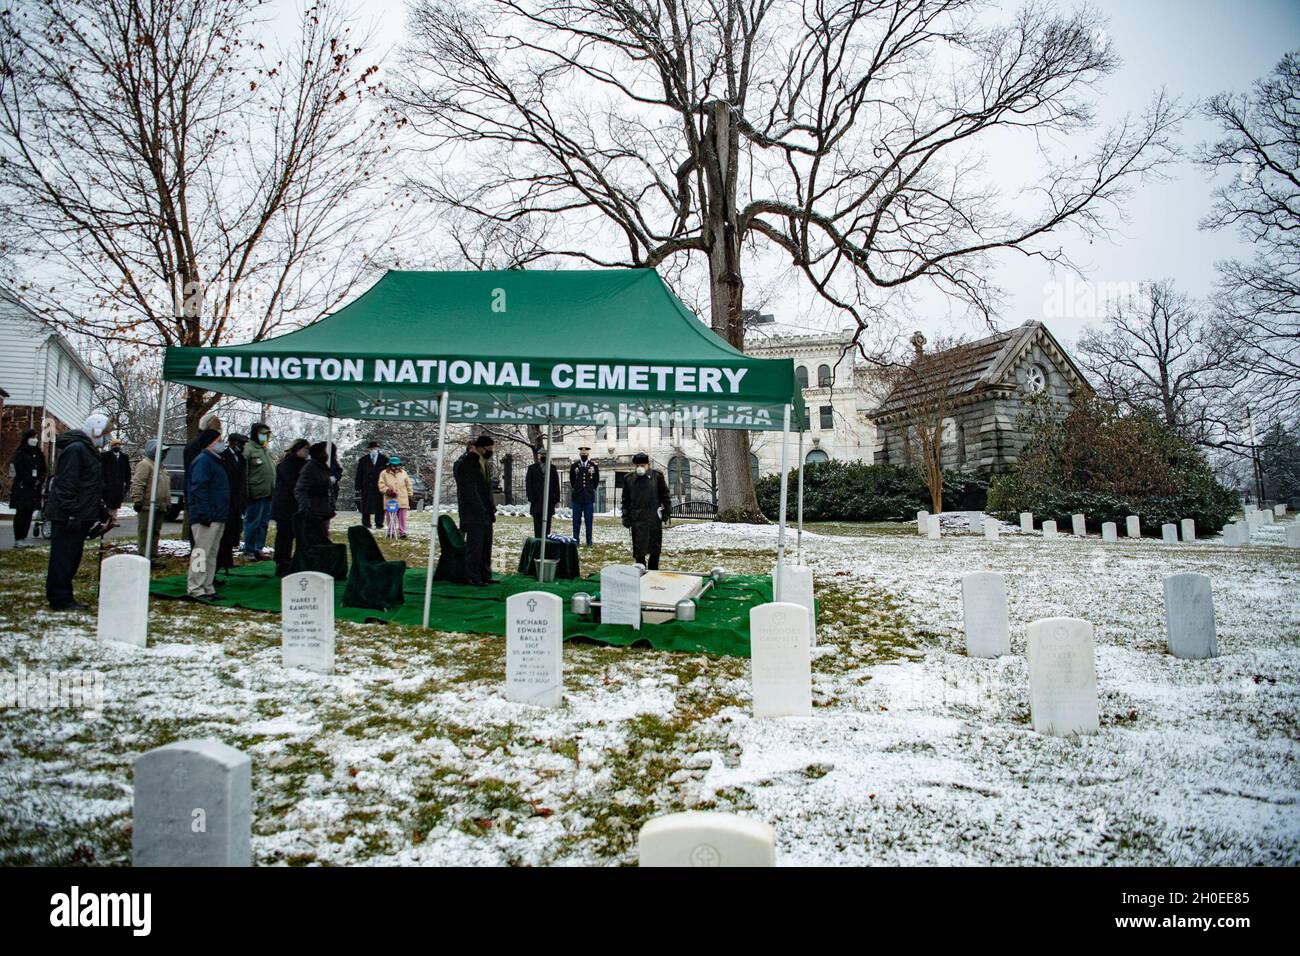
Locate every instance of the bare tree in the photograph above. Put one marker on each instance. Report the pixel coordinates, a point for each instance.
(1260, 198)
(921, 396)
(844, 136)
(1162, 351)
(165, 179)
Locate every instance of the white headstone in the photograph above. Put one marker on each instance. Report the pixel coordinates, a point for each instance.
(124, 600)
(1079, 526)
(1243, 532)
(1189, 616)
(991, 529)
(921, 522)
(1232, 535)
(976, 522)
(1266, 516)
(1252, 518)
(932, 530)
(984, 614)
(1279, 511)
(780, 660)
(706, 838)
(1049, 529)
(307, 621)
(1026, 521)
(620, 595)
(1062, 677)
(534, 642)
(1133, 526)
(193, 806)
(1169, 533)
(1109, 531)
(1189, 529)
(1293, 534)
(797, 588)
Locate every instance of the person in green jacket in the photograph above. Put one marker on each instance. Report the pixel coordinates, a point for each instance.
(261, 482)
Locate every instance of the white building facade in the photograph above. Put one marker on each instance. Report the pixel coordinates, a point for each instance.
(837, 393)
(50, 386)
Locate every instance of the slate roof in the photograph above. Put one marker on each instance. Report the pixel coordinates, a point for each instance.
(969, 368)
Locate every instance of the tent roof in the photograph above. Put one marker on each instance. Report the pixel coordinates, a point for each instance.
(579, 346)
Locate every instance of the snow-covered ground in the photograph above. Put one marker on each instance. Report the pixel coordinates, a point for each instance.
(916, 754)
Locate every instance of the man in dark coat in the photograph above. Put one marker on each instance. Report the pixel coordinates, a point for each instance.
(207, 498)
(534, 482)
(477, 509)
(284, 505)
(313, 490)
(209, 429)
(232, 460)
(584, 479)
(117, 474)
(76, 503)
(646, 506)
(367, 485)
(28, 464)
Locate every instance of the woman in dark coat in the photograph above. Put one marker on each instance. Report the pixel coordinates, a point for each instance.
(313, 491)
(283, 503)
(29, 468)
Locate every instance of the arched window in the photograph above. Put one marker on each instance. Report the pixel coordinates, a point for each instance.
(753, 466)
(679, 477)
(823, 376)
(801, 376)
(815, 456)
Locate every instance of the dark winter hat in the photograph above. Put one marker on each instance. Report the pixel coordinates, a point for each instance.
(640, 458)
(237, 439)
(372, 444)
(317, 451)
(484, 441)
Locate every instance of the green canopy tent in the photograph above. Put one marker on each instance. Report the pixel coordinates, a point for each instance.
(582, 347)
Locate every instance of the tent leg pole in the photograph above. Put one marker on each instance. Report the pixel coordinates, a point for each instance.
(798, 538)
(157, 464)
(437, 499)
(546, 498)
(785, 491)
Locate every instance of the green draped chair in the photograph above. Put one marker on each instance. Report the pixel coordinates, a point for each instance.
(451, 552)
(372, 582)
(314, 551)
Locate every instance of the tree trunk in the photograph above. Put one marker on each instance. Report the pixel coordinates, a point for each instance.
(721, 146)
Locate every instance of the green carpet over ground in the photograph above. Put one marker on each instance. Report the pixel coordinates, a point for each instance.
(721, 625)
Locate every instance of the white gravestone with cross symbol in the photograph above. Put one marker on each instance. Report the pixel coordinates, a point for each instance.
(534, 642)
(307, 621)
(192, 806)
(1062, 677)
(780, 660)
(706, 839)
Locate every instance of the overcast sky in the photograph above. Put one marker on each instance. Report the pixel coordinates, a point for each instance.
(1192, 48)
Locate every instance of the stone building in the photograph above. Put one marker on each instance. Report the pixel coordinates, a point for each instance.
(838, 393)
(983, 385)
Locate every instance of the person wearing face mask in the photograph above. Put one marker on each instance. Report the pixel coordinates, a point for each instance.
(477, 510)
(312, 492)
(534, 483)
(584, 479)
(27, 469)
(369, 468)
(76, 502)
(232, 459)
(394, 483)
(207, 496)
(646, 506)
(142, 491)
(117, 474)
(283, 503)
(259, 487)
